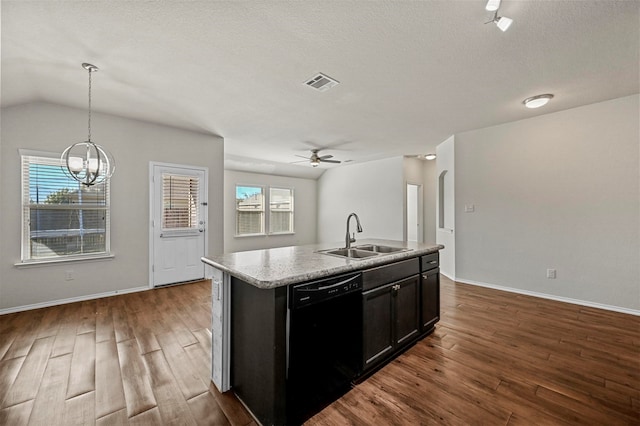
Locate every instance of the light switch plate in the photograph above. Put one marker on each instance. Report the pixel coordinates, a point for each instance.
(469, 208)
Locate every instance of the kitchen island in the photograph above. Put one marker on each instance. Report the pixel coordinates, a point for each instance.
(273, 333)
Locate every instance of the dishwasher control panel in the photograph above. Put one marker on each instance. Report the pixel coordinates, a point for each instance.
(316, 291)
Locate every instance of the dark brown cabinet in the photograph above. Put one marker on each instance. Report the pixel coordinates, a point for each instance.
(429, 293)
(390, 319)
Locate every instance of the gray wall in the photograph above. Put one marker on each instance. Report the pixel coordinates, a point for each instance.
(373, 190)
(556, 191)
(48, 127)
(446, 217)
(430, 189)
(305, 211)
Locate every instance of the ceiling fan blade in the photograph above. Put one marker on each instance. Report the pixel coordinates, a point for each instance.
(302, 161)
(324, 157)
(330, 161)
(301, 156)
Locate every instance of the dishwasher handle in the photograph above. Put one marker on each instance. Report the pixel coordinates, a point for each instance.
(348, 280)
(306, 294)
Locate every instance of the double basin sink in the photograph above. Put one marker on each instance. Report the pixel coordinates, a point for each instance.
(363, 251)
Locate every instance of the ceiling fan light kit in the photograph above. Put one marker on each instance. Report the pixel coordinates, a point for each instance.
(492, 5)
(502, 22)
(316, 159)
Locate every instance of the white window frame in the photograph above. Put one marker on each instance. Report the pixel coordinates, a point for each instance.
(291, 212)
(264, 211)
(25, 255)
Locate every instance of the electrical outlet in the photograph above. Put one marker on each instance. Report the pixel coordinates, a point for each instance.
(68, 275)
(551, 273)
(469, 208)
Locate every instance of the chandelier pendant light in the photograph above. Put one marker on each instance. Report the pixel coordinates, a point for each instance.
(88, 162)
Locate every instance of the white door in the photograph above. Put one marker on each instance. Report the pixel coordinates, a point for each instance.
(414, 213)
(178, 223)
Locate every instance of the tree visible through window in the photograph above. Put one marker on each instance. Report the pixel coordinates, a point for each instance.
(61, 217)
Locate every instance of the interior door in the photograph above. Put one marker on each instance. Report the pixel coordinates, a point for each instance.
(414, 213)
(178, 223)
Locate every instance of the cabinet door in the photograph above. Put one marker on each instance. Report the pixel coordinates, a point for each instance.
(430, 299)
(407, 319)
(377, 312)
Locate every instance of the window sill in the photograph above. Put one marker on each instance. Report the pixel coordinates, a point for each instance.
(274, 234)
(43, 262)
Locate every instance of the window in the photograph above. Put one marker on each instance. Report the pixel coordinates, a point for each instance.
(61, 218)
(280, 210)
(252, 218)
(180, 202)
(249, 210)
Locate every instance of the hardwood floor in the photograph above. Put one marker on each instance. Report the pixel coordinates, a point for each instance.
(499, 358)
(495, 358)
(134, 359)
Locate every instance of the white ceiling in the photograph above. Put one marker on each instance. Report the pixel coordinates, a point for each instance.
(411, 73)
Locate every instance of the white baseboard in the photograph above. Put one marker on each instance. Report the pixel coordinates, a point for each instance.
(71, 300)
(552, 297)
(451, 277)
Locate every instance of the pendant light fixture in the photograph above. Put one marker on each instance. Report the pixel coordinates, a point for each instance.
(87, 162)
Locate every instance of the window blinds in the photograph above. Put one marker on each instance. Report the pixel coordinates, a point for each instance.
(180, 201)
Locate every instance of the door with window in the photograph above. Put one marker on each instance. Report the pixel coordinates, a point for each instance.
(178, 223)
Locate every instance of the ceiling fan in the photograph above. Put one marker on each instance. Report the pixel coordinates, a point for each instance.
(316, 159)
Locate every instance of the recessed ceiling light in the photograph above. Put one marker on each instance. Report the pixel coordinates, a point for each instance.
(430, 157)
(537, 101)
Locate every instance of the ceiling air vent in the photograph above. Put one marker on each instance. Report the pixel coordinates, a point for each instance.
(321, 82)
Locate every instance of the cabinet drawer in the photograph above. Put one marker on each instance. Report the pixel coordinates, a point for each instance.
(372, 278)
(430, 261)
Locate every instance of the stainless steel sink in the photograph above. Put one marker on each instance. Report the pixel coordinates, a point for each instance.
(363, 252)
(350, 253)
(380, 249)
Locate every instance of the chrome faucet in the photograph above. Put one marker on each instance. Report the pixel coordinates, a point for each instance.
(349, 239)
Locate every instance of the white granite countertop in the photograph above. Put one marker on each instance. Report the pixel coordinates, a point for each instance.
(270, 268)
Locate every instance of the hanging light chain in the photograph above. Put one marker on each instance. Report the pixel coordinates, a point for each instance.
(89, 125)
(91, 68)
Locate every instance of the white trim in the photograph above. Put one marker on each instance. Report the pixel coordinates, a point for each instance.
(54, 260)
(205, 209)
(53, 159)
(452, 278)
(70, 300)
(36, 153)
(553, 297)
(420, 213)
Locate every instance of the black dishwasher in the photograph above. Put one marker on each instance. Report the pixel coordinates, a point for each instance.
(325, 343)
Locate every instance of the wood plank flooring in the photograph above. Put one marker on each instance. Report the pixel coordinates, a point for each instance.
(495, 358)
(499, 358)
(135, 359)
